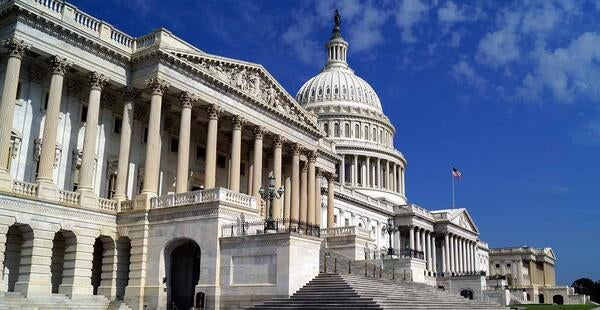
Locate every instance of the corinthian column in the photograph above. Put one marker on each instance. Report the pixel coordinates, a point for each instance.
(277, 158)
(295, 201)
(183, 151)
(330, 199)
(88, 158)
(153, 145)
(312, 158)
(303, 192)
(16, 50)
(210, 160)
(318, 185)
(259, 133)
(236, 153)
(47, 188)
(126, 126)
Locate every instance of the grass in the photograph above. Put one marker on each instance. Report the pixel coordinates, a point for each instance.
(559, 307)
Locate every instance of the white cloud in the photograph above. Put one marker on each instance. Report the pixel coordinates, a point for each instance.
(567, 72)
(464, 72)
(366, 32)
(500, 47)
(450, 13)
(408, 14)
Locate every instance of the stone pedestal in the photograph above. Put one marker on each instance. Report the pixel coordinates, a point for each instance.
(411, 269)
(47, 190)
(6, 181)
(262, 267)
(88, 199)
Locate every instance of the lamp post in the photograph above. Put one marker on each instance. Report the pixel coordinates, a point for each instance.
(390, 229)
(268, 195)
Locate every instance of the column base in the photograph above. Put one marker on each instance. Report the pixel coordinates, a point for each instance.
(74, 290)
(88, 198)
(6, 181)
(35, 287)
(47, 190)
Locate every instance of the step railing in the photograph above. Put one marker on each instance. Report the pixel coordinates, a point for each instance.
(331, 261)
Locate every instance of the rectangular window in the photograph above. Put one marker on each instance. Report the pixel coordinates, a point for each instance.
(117, 125)
(174, 145)
(145, 135)
(507, 265)
(112, 184)
(221, 161)
(497, 265)
(200, 151)
(346, 222)
(84, 110)
(335, 218)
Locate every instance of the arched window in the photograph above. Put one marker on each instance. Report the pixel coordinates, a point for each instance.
(357, 131)
(326, 128)
(374, 137)
(380, 136)
(366, 133)
(336, 130)
(347, 130)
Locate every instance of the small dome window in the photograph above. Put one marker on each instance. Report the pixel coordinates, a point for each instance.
(320, 91)
(336, 91)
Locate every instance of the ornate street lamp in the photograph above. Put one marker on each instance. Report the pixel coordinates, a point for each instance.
(268, 195)
(390, 229)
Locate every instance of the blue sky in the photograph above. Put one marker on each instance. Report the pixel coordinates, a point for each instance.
(507, 91)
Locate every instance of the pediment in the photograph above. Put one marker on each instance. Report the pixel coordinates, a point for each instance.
(462, 219)
(253, 81)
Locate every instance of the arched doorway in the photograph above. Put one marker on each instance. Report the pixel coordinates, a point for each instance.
(62, 244)
(19, 239)
(541, 298)
(104, 247)
(467, 294)
(183, 266)
(123, 262)
(558, 299)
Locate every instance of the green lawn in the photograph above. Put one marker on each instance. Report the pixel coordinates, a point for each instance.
(557, 307)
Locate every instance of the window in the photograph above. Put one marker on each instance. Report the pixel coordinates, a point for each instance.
(75, 177)
(374, 137)
(326, 128)
(145, 135)
(336, 130)
(200, 151)
(221, 161)
(357, 131)
(507, 265)
(112, 184)
(497, 265)
(117, 125)
(346, 222)
(83, 115)
(347, 130)
(366, 133)
(174, 146)
(335, 218)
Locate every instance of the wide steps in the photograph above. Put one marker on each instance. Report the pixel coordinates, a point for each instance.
(16, 301)
(334, 291)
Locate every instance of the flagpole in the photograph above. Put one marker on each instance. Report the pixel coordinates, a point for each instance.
(452, 176)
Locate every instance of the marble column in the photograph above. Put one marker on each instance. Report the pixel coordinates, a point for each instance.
(287, 195)
(46, 186)
(363, 173)
(355, 171)
(394, 178)
(16, 51)
(411, 237)
(277, 159)
(303, 192)
(258, 160)
(318, 196)
(368, 172)
(378, 173)
(330, 199)
(452, 254)
(88, 159)
(295, 201)
(461, 248)
(236, 153)
(152, 165)
(183, 151)
(428, 257)
(311, 183)
(387, 174)
(433, 254)
(129, 95)
(445, 254)
(210, 160)
(343, 170)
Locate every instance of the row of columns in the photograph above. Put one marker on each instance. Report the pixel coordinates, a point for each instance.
(423, 240)
(374, 172)
(459, 254)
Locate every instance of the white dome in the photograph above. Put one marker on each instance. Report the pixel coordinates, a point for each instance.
(339, 84)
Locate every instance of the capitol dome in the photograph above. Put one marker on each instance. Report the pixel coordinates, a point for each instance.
(337, 82)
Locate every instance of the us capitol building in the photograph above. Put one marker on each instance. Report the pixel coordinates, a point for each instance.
(145, 173)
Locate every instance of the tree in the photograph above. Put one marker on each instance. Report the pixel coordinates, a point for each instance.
(588, 287)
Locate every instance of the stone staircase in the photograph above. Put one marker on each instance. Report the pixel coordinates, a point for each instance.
(341, 291)
(14, 301)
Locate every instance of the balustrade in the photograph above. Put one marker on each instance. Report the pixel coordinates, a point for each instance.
(25, 189)
(204, 196)
(68, 197)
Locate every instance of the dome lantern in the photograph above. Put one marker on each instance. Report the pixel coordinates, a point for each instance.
(337, 47)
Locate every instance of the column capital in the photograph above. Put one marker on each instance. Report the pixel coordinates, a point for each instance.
(158, 85)
(59, 65)
(186, 99)
(16, 48)
(303, 166)
(238, 122)
(330, 176)
(311, 156)
(130, 93)
(259, 132)
(278, 140)
(97, 80)
(318, 172)
(214, 111)
(295, 147)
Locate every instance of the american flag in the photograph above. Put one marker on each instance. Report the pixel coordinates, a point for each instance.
(456, 173)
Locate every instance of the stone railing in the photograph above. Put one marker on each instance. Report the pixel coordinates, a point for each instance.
(376, 203)
(67, 197)
(107, 204)
(203, 196)
(346, 231)
(414, 209)
(24, 188)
